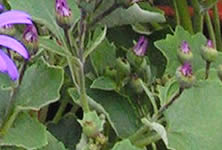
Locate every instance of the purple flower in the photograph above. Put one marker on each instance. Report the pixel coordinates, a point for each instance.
(6, 64)
(184, 47)
(186, 69)
(210, 44)
(141, 46)
(62, 8)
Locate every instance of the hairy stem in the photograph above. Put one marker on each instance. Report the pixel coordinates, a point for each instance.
(184, 15)
(61, 110)
(7, 125)
(164, 107)
(198, 17)
(148, 140)
(82, 32)
(210, 29)
(216, 21)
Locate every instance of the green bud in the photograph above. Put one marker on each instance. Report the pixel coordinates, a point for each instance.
(134, 60)
(209, 53)
(111, 73)
(135, 84)
(92, 125)
(123, 67)
(184, 53)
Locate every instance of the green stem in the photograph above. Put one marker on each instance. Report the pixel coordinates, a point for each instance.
(177, 13)
(210, 29)
(207, 69)
(147, 140)
(7, 125)
(139, 133)
(164, 107)
(60, 111)
(198, 17)
(184, 15)
(82, 32)
(217, 27)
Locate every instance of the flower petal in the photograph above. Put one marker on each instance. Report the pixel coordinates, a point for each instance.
(11, 67)
(14, 45)
(15, 17)
(3, 66)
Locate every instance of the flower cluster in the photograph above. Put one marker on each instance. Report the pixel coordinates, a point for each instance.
(7, 19)
(184, 72)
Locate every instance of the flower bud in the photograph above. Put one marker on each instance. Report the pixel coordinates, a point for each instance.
(64, 16)
(219, 72)
(208, 52)
(30, 37)
(92, 125)
(184, 53)
(110, 72)
(184, 76)
(123, 67)
(135, 84)
(141, 46)
(8, 29)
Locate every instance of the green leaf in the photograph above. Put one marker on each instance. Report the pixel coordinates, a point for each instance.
(53, 143)
(123, 118)
(103, 83)
(43, 11)
(158, 128)
(125, 145)
(117, 109)
(5, 81)
(166, 92)
(104, 55)
(4, 102)
(170, 45)
(98, 37)
(40, 86)
(51, 46)
(27, 133)
(194, 120)
(68, 130)
(132, 15)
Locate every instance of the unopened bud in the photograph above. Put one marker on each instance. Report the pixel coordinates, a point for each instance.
(184, 76)
(136, 85)
(208, 52)
(64, 16)
(8, 29)
(123, 67)
(184, 53)
(30, 37)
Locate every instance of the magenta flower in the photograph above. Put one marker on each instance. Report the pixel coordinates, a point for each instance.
(6, 64)
(186, 69)
(62, 8)
(141, 46)
(184, 47)
(210, 44)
